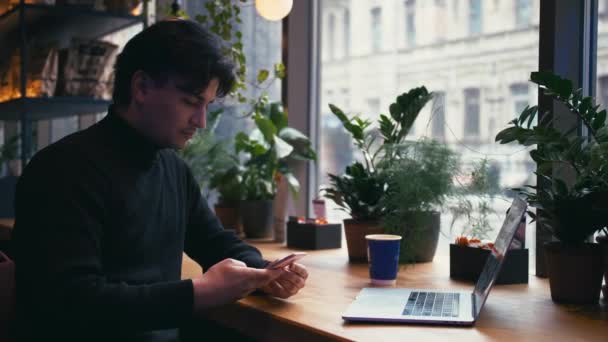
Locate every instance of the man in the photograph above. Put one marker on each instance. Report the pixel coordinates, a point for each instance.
(103, 215)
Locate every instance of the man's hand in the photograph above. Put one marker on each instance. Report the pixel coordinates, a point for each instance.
(228, 281)
(288, 283)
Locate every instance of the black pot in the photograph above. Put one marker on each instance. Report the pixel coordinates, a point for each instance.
(257, 218)
(575, 272)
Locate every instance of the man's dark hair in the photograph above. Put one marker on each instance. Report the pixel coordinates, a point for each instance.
(177, 47)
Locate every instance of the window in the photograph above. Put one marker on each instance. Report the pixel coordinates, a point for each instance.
(523, 13)
(376, 29)
(332, 37)
(459, 69)
(519, 95)
(603, 91)
(373, 107)
(410, 22)
(346, 32)
(475, 17)
(471, 112)
(438, 116)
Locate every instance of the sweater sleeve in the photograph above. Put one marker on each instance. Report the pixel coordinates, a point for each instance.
(60, 275)
(206, 240)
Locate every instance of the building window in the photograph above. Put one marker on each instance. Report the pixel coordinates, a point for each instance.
(471, 112)
(332, 36)
(523, 13)
(519, 94)
(376, 29)
(603, 91)
(475, 17)
(373, 107)
(410, 22)
(346, 32)
(438, 116)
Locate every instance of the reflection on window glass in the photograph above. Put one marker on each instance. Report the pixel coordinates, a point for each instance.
(478, 88)
(475, 17)
(376, 29)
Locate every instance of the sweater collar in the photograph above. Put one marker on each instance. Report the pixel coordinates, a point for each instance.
(135, 145)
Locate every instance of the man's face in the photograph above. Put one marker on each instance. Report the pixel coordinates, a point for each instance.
(171, 115)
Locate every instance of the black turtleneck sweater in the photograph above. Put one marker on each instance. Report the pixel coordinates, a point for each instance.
(102, 219)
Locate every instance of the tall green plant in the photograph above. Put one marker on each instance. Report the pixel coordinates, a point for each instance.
(360, 190)
(270, 150)
(571, 210)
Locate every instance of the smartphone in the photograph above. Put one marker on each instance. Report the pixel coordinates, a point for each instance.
(282, 262)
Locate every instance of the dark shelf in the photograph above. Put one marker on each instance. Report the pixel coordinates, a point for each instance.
(64, 19)
(42, 108)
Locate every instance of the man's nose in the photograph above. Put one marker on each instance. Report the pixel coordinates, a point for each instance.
(199, 119)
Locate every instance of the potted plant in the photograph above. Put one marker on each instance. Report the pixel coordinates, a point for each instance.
(419, 181)
(362, 187)
(571, 199)
(269, 152)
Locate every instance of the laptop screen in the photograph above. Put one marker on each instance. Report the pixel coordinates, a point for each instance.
(495, 259)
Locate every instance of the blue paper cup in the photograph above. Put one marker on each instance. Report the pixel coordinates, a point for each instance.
(383, 258)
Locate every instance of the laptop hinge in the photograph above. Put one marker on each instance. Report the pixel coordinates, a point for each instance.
(473, 304)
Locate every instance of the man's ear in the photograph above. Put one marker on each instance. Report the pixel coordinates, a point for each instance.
(140, 86)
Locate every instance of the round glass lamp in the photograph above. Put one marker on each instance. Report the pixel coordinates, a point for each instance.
(273, 9)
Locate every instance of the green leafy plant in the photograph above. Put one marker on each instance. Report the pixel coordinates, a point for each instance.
(269, 151)
(419, 180)
(263, 156)
(574, 210)
(211, 162)
(360, 190)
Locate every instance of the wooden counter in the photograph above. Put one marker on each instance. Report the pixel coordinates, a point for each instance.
(512, 312)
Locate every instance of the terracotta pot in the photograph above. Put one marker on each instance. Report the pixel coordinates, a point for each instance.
(230, 218)
(355, 232)
(575, 272)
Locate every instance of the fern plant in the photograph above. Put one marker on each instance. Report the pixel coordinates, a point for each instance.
(572, 211)
(419, 181)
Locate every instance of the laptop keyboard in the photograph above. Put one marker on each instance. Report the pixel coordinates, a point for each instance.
(434, 304)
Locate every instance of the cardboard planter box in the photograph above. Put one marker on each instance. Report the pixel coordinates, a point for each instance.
(466, 263)
(313, 236)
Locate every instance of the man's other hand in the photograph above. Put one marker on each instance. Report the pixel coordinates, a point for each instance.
(288, 283)
(228, 281)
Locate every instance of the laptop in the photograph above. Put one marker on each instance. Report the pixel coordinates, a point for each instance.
(436, 306)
